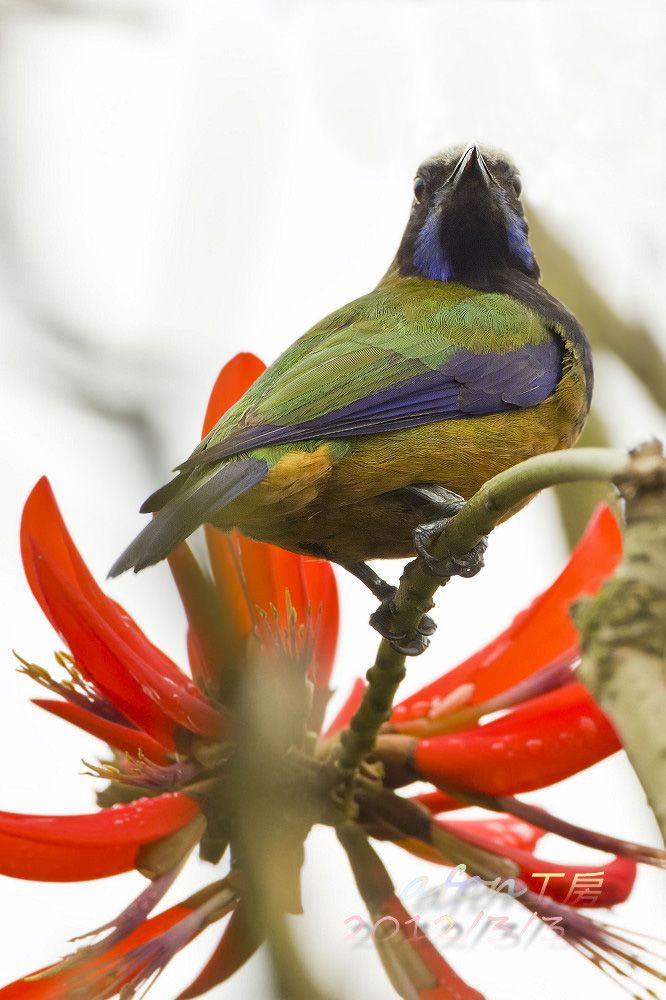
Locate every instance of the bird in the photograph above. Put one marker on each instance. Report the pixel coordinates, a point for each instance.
(376, 425)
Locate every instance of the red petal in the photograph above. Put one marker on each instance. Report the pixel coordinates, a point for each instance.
(266, 574)
(569, 696)
(45, 540)
(135, 684)
(132, 741)
(269, 572)
(322, 593)
(322, 596)
(96, 845)
(544, 741)
(138, 822)
(58, 986)
(28, 859)
(91, 656)
(43, 523)
(616, 881)
(541, 633)
(449, 985)
(44, 862)
(619, 876)
(503, 832)
(237, 944)
(224, 554)
(235, 378)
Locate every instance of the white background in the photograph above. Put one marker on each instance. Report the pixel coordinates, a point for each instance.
(179, 181)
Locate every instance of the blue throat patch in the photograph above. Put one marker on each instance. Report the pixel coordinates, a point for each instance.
(429, 256)
(517, 237)
(432, 262)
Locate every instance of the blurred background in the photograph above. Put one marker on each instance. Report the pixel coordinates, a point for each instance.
(180, 181)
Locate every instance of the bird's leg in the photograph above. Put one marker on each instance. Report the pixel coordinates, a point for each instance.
(431, 500)
(382, 617)
(443, 504)
(380, 588)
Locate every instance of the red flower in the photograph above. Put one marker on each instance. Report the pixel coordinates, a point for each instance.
(124, 690)
(172, 734)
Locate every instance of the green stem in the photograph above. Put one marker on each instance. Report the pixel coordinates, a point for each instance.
(496, 499)
(383, 678)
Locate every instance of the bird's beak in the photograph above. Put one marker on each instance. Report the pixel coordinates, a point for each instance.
(470, 168)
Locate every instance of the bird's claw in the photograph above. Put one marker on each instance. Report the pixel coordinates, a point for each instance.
(446, 502)
(467, 565)
(407, 644)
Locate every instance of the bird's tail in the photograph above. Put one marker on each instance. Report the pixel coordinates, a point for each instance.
(185, 504)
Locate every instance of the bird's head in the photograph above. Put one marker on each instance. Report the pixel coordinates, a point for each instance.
(467, 222)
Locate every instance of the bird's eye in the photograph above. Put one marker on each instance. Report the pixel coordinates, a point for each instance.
(419, 188)
(517, 185)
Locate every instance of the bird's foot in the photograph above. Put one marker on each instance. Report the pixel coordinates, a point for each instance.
(378, 587)
(466, 565)
(408, 644)
(382, 618)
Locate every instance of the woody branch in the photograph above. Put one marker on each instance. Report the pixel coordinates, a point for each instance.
(623, 628)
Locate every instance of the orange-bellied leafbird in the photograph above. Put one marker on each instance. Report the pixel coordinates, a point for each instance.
(385, 414)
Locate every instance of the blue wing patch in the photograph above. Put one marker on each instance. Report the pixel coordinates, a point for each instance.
(468, 384)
